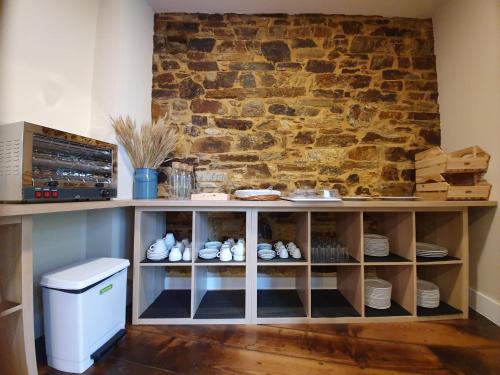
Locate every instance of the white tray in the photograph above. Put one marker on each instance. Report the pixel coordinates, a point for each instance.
(311, 199)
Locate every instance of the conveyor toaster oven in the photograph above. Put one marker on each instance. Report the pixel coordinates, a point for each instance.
(40, 164)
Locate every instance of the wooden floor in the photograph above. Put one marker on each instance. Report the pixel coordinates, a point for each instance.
(447, 347)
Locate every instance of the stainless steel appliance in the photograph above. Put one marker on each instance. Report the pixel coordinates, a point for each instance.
(40, 164)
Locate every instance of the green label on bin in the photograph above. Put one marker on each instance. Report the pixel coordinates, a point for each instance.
(106, 289)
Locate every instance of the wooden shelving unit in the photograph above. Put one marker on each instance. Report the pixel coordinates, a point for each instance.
(300, 290)
(16, 297)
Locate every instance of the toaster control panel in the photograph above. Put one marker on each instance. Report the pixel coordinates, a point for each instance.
(55, 194)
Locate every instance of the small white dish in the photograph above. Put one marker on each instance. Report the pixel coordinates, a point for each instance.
(208, 253)
(213, 245)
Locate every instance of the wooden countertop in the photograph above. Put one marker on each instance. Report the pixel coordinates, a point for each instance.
(45, 208)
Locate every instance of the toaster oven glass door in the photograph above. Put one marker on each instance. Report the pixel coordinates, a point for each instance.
(70, 163)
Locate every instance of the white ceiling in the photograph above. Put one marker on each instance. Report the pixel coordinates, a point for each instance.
(388, 8)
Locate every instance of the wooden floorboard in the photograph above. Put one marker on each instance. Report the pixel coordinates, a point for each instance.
(446, 347)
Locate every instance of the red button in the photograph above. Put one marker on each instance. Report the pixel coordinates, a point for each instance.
(46, 194)
(55, 194)
(38, 194)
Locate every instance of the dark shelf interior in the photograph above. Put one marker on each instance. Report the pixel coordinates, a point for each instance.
(394, 310)
(430, 260)
(442, 309)
(389, 258)
(217, 260)
(351, 260)
(281, 260)
(279, 303)
(149, 261)
(222, 304)
(330, 303)
(175, 303)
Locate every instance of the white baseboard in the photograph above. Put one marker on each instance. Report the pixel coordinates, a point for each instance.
(484, 305)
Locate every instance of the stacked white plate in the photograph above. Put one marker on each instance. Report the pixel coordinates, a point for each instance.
(378, 293)
(154, 254)
(430, 250)
(427, 294)
(376, 245)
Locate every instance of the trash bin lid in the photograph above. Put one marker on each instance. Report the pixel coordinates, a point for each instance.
(83, 274)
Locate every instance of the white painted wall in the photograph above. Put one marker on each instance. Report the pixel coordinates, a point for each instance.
(72, 64)
(69, 65)
(46, 65)
(467, 47)
(122, 73)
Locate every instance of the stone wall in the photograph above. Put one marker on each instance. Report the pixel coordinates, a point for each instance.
(302, 100)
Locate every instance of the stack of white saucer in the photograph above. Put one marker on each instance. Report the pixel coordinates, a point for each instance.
(427, 294)
(430, 250)
(378, 293)
(376, 245)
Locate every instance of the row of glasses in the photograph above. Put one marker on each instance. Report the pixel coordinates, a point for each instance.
(328, 250)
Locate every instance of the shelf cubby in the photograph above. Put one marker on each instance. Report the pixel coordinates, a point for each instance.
(336, 291)
(282, 292)
(155, 224)
(12, 347)
(402, 279)
(399, 228)
(166, 292)
(285, 227)
(10, 268)
(450, 280)
(345, 227)
(444, 228)
(218, 226)
(219, 293)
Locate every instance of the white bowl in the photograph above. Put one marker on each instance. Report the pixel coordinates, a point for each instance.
(213, 245)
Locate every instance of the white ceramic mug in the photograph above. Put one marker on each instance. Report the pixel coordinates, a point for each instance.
(296, 253)
(175, 254)
(225, 254)
(169, 240)
(186, 242)
(180, 245)
(238, 251)
(282, 252)
(186, 255)
(278, 244)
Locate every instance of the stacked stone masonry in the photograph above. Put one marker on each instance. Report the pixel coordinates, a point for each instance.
(328, 101)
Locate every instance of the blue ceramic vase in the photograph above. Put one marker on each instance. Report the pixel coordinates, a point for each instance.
(145, 183)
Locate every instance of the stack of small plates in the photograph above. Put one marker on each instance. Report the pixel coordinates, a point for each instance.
(376, 245)
(427, 294)
(378, 293)
(430, 250)
(155, 254)
(266, 254)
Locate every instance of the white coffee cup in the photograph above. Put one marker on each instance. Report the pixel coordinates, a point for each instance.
(225, 254)
(180, 245)
(186, 255)
(175, 254)
(282, 252)
(238, 251)
(296, 253)
(169, 240)
(186, 242)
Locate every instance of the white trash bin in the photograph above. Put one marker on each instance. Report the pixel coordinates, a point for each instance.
(84, 311)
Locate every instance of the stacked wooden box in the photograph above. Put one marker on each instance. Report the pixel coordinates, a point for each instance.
(454, 176)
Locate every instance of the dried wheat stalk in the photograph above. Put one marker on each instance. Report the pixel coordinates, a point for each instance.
(149, 146)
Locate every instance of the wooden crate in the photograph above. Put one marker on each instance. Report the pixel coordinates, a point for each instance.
(434, 164)
(445, 191)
